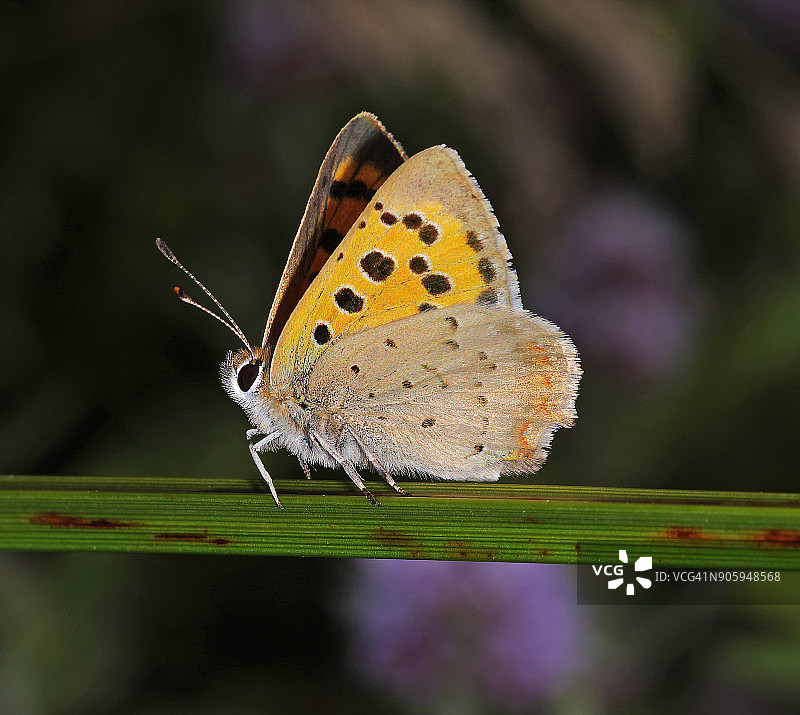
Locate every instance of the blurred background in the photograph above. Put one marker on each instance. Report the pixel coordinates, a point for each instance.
(643, 159)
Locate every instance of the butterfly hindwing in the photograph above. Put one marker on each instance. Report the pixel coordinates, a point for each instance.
(427, 239)
(464, 392)
(361, 158)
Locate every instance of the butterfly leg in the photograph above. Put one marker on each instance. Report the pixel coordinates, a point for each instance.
(306, 468)
(346, 465)
(255, 448)
(376, 463)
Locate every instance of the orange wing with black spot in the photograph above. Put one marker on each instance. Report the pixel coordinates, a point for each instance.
(427, 239)
(361, 158)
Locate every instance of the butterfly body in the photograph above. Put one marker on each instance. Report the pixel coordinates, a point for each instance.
(397, 338)
(289, 413)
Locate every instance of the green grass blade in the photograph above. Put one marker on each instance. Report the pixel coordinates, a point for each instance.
(500, 522)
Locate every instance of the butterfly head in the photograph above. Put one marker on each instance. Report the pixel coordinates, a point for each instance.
(244, 374)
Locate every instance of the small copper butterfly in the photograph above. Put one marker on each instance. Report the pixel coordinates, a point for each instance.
(397, 338)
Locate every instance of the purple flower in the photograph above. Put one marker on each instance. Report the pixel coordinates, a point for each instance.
(622, 286)
(506, 634)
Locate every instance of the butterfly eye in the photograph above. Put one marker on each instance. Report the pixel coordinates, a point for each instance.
(248, 373)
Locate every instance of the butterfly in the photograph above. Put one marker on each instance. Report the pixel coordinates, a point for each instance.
(397, 338)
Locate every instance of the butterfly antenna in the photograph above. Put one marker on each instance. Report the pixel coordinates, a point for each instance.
(230, 323)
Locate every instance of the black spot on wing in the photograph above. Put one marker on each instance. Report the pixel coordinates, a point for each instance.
(378, 266)
(418, 265)
(412, 221)
(488, 296)
(359, 190)
(436, 283)
(475, 243)
(487, 270)
(348, 300)
(322, 334)
(428, 234)
(331, 238)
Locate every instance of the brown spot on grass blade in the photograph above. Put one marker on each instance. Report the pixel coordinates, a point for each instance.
(396, 539)
(779, 537)
(196, 537)
(458, 549)
(58, 520)
(684, 532)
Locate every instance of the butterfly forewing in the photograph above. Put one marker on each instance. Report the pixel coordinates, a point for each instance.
(360, 160)
(428, 239)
